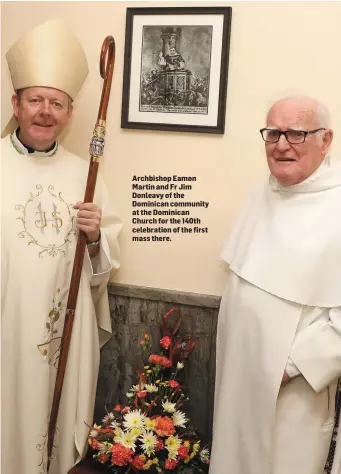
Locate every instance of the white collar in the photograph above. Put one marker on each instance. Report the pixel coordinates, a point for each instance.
(23, 150)
(286, 240)
(326, 176)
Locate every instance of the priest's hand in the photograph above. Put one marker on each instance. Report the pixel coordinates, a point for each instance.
(285, 379)
(89, 219)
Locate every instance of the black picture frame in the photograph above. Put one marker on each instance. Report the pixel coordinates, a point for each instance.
(176, 69)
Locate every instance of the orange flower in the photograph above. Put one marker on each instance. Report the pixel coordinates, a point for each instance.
(171, 464)
(164, 426)
(165, 342)
(121, 455)
(118, 408)
(159, 360)
(138, 462)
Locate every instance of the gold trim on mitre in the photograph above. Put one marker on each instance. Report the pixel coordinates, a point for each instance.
(48, 56)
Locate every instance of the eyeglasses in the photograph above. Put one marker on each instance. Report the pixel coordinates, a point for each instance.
(271, 135)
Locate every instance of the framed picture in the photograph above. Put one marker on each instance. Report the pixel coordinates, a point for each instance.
(176, 68)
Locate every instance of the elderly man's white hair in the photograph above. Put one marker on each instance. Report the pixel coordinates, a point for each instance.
(322, 112)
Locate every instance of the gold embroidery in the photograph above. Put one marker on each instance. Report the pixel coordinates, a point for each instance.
(42, 221)
(41, 224)
(43, 448)
(51, 347)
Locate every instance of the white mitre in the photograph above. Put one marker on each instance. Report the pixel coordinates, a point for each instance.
(48, 56)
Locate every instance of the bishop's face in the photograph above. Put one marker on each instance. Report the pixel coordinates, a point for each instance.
(42, 114)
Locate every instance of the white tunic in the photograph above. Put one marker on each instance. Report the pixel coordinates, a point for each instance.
(38, 245)
(282, 302)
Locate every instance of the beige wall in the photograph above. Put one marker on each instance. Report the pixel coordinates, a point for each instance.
(277, 48)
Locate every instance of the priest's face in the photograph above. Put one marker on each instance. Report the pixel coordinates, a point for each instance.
(292, 163)
(42, 114)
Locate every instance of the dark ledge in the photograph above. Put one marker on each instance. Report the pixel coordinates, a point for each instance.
(169, 296)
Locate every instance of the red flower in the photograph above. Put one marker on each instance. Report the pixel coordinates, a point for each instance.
(118, 408)
(141, 394)
(103, 458)
(121, 455)
(155, 359)
(159, 360)
(164, 426)
(165, 342)
(138, 462)
(171, 464)
(166, 362)
(183, 452)
(174, 384)
(95, 444)
(159, 445)
(125, 410)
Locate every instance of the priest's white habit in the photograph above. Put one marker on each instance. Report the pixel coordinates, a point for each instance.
(281, 311)
(38, 245)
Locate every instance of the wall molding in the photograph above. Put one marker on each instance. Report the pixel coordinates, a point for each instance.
(165, 295)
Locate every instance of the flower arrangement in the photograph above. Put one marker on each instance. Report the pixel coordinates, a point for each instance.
(151, 433)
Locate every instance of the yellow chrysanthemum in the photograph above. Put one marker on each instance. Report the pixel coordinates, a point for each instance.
(173, 444)
(119, 433)
(169, 407)
(149, 424)
(204, 455)
(148, 442)
(179, 419)
(151, 388)
(172, 453)
(136, 431)
(128, 440)
(196, 447)
(134, 419)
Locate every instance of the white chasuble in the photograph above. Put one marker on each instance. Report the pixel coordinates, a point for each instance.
(38, 244)
(282, 303)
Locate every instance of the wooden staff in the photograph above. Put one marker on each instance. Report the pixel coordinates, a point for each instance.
(107, 60)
